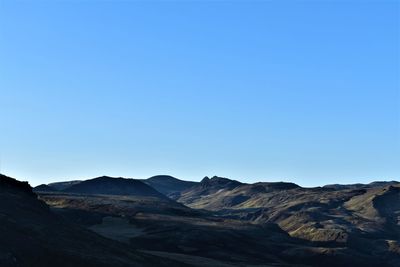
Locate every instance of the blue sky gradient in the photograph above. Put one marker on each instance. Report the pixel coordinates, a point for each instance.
(307, 92)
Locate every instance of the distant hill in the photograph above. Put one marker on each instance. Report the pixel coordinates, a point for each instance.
(44, 188)
(167, 184)
(114, 186)
(217, 183)
(63, 185)
(219, 193)
(354, 186)
(207, 187)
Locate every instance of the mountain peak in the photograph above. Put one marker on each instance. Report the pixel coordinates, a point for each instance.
(205, 179)
(219, 182)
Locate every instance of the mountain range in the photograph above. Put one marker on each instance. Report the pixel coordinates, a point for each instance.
(218, 221)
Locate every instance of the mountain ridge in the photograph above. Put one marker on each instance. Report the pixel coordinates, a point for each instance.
(65, 184)
(222, 221)
(114, 186)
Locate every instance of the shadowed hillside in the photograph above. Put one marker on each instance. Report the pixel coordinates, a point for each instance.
(63, 185)
(32, 235)
(168, 185)
(44, 188)
(113, 186)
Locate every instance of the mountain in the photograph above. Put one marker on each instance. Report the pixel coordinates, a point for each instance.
(229, 223)
(216, 183)
(114, 186)
(363, 218)
(166, 184)
(44, 188)
(32, 235)
(63, 185)
(355, 186)
(207, 187)
(8, 184)
(220, 193)
(219, 222)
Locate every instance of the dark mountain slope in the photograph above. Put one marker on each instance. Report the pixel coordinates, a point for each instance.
(167, 184)
(44, 188)
(207, 187)
(63, 185)
(114, 186)
(359, 186)
(10, 185)
(31, 235)
(216, 183)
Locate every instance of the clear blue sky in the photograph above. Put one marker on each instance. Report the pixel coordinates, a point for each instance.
(257, 91)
